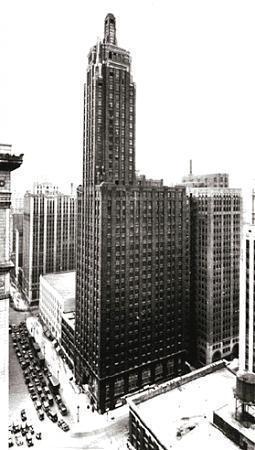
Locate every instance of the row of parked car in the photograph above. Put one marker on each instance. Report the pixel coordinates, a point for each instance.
(43, 389)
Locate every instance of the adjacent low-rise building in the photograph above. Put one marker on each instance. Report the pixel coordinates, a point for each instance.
(57, 297)
(179, 414)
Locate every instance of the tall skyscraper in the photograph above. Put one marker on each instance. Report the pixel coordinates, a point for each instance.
(247, 304)
(132, 298)
(49, 228)
(215, 252)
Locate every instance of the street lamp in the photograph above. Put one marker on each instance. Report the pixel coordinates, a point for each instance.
(78, 413)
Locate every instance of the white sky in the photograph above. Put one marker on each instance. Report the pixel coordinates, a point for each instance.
(193, 64)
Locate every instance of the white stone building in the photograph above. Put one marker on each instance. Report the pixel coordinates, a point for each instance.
(57, 296)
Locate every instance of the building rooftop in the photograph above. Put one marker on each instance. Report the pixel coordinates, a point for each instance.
(179, 413)
(206, 175)
(64, 284)
(211, 191)
(45, 187)
(228, 421)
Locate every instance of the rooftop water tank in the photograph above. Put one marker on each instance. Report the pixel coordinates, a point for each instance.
(245, 387)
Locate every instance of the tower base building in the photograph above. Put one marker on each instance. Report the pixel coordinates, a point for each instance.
(132, 285)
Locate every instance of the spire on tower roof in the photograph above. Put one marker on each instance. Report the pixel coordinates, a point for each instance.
(110, 30)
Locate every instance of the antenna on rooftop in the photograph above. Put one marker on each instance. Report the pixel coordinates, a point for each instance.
(190, 166)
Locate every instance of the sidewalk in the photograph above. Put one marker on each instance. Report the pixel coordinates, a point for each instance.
(81, 419)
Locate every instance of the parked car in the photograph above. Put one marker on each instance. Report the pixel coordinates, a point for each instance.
(40, 414)
(38, 404)
(42, 396)
(52, 416)
(23, 415)
(39, 389)
(24, 364)
(58, 398)
(62, 409)
(29, 440)
(10, 442)
(65, 427)
(46, 405)
(18, 441)
(15, 428)
(50, 399)
(23, 429)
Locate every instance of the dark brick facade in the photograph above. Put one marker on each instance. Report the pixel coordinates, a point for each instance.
(133, 247)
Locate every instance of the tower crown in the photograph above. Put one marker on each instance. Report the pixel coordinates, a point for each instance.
(110, 30)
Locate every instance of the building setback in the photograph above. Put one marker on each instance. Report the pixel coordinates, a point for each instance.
(215, 253)
(48, 237)
(247, 304)
(132, 287)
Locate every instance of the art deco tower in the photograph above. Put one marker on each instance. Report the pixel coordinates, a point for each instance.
(132, 245)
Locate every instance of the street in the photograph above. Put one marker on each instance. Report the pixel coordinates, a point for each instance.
(88, 430)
